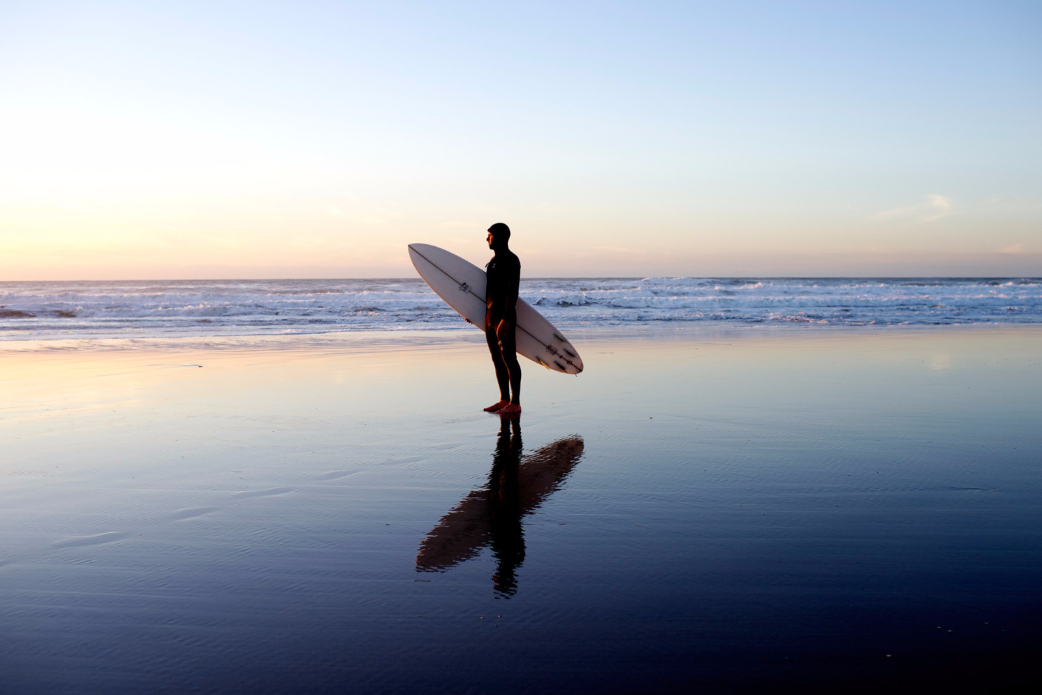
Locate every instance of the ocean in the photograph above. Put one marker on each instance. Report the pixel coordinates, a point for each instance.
(200, 308)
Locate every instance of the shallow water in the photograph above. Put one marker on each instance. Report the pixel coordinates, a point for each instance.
(832, 509)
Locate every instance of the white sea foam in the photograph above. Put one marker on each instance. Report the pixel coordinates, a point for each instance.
(46, 310)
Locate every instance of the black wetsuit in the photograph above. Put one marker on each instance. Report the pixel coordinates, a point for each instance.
(504, 278)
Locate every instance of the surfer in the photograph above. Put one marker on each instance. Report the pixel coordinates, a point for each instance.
(504, 279)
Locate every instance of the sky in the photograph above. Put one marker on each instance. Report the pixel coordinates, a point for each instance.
(317, 139)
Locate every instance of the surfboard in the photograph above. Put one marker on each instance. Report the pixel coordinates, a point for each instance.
(462, 285)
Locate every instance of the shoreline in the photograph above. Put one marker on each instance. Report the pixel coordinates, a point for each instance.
(375, 339)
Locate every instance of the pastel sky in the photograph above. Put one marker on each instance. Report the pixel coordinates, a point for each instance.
(316, 139)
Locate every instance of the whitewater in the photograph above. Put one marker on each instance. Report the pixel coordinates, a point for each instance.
(62, 310)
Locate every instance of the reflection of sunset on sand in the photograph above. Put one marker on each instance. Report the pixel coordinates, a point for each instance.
(491, 515)
(246, 513)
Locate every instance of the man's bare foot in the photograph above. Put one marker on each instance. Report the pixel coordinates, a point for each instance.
(496, 407)
(510, 410)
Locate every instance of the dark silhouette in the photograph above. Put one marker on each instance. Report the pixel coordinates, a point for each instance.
(504, 507)
(492, 514)
(501, 288)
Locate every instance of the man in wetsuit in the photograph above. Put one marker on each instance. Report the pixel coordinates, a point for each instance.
(504, 277)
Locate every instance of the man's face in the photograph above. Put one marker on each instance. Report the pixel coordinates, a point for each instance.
(490, 238)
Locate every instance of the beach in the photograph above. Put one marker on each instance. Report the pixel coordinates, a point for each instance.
(705, 508)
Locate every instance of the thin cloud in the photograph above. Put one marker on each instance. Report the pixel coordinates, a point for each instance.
(895, 213)
(941, 205)
(1012, 249)
(935, 207)
(619, 249)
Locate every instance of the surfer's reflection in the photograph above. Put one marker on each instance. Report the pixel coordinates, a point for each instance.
(491, 515)
(504, 506)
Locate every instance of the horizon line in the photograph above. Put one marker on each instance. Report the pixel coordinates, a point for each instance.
(563, 277)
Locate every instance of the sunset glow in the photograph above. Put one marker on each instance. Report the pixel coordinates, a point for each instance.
(183, 140)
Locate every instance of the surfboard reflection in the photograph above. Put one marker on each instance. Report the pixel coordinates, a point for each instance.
(491, 515)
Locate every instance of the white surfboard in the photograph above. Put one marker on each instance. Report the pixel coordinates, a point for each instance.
(462, 285)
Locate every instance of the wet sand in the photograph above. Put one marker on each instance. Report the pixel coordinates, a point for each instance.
(700, 510)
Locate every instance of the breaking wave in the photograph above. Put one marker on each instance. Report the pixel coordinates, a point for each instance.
(46, 310)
